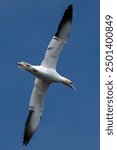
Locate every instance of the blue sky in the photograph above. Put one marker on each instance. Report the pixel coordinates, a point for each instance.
(70, 119)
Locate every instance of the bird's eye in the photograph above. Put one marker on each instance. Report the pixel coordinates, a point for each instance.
(28, 65)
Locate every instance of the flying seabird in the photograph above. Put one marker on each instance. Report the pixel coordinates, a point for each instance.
(46, 74)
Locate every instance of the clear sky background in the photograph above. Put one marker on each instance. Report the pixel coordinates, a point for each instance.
(71, 119)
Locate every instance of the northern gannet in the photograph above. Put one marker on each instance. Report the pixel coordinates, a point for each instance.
(46, 74)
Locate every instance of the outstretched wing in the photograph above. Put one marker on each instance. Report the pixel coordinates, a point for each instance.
(35, 109)
(56, 44)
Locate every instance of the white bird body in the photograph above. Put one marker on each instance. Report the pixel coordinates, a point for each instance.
(46, 74)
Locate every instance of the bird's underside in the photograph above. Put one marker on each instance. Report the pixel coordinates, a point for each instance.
(41, 85)
(35, 109)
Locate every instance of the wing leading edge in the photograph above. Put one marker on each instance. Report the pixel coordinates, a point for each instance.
(58, 41)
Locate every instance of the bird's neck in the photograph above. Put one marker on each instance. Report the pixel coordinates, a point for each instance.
(64, 80)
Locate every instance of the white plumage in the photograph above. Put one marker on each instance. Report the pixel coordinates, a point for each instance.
(46, 74)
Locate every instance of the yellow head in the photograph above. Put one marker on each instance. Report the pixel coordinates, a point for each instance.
(27, 67)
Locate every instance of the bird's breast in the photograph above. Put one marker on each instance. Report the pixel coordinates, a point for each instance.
(48, 75)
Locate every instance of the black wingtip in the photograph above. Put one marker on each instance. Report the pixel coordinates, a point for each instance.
(67, 17)
(28, 133)
(70, 6)
(69, 12)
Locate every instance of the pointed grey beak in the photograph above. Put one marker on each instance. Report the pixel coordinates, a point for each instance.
(18, 63)
(21, 65)
(73, 87)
